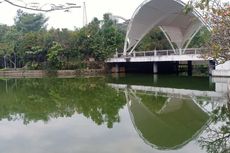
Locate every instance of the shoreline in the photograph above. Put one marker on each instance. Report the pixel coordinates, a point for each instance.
(52, 73)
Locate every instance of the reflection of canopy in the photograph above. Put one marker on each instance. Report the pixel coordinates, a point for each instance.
(177, 26)
(169, 128)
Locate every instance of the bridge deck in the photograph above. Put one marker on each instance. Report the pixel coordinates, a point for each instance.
(159, 56)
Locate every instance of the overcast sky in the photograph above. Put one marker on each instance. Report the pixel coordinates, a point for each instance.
(61, 19)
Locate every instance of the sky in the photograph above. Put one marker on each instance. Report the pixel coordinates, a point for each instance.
(70, 20)
(74, 18)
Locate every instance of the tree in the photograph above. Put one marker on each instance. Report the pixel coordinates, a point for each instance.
(8, 39)
(81, 48)
(217, 134)
(27, 22)
(55, 53)
(5, 45)
(217, 14)
(112, 37)
(202, 37)
(100, 39)
(154, 40)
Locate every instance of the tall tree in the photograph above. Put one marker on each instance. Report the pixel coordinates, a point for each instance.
(217, 14)
(112, 37)
(27, 22)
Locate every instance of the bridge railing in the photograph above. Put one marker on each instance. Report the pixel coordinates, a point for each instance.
(189, 51)
(195, 51)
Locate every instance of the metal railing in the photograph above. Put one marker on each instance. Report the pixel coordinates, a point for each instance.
(189, 51)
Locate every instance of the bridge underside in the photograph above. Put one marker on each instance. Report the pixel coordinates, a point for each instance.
(165, 67)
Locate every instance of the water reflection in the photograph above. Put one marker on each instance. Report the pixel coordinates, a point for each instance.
(171, 81)
(32, 100)
(166, 123)
(170, 115)
(164, 115)
(216, 137)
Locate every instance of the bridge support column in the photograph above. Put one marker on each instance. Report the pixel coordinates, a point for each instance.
(115, 69)
(155, 68)
(118, 69)
(211, 67)
(155, 77)
(190, 68)
(177, 67)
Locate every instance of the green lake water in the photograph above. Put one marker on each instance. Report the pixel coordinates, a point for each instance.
(113, 114)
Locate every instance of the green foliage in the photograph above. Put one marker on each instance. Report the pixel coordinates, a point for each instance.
(100, 41)
(26, 22)
(217, 138)
(202, 37)
(54, 56)
(149, 100)
(155, 39)
(8, 37)
(217, 13)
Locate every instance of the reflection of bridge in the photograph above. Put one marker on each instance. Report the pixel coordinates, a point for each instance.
(216, 98)
(161, 116)
(169, 118)
(170, 91)
(163, 124)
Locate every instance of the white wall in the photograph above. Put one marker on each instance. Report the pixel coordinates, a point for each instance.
(225, 66)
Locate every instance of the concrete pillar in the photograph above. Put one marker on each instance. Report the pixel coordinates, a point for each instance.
(155, 78)
(122, 69)
(189, 68)
(211, 67)
(115, 75)
(180, 51)
(210, 81)
(155, 68)
(115, 69)
(177, 67)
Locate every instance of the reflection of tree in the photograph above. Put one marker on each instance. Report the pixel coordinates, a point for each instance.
(149, 100)
(217, 136)
(43, 99)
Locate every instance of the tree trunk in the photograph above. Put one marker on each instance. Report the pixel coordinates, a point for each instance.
(228, 92)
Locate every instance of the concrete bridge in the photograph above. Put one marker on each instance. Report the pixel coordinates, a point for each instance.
(158, 61)
(178, 28)
(190, 54)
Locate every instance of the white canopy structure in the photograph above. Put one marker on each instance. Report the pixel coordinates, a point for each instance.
(178, 27)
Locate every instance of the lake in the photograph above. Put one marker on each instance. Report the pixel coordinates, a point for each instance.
(111, 114)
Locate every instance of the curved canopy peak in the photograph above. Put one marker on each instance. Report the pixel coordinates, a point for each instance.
(178, 27)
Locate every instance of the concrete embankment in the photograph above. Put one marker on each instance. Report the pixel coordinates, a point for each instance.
(44, 73)
(222, 70)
